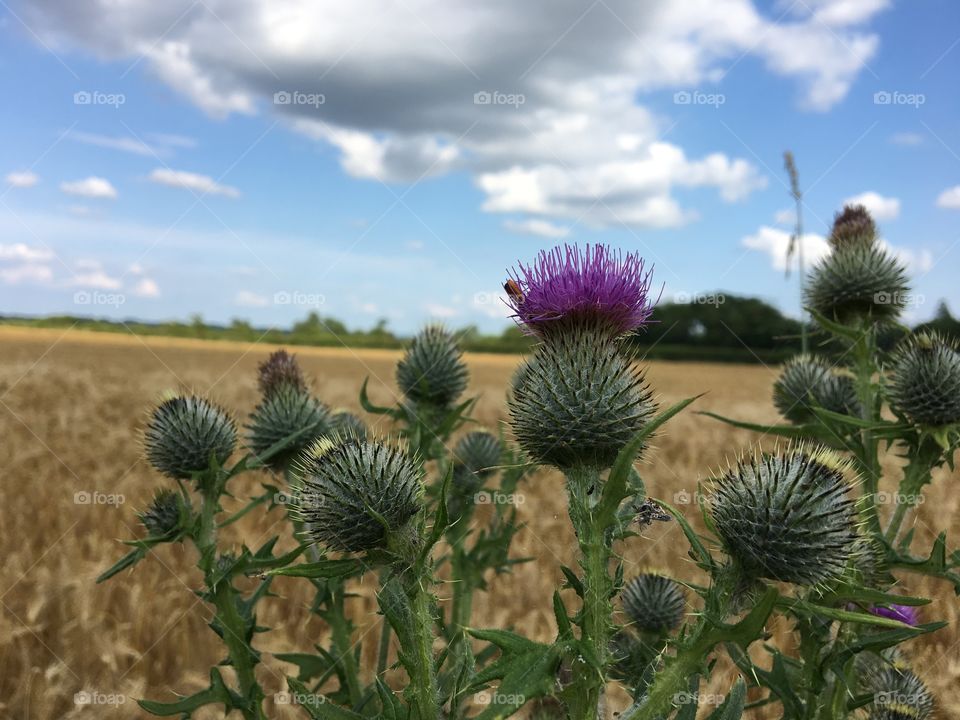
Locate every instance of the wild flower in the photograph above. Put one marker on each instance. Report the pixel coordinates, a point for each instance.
(185, 433)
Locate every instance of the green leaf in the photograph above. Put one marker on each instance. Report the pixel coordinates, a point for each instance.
(572, 580)
(706, 559)
(789, 431)
(390, 706)
(732, 707)
(806, 608)
(844, 593)
(322, 569)
(369, 406)
(618, 483)
(848, 332)
(316, 705)
(560, 613)
(441, 519)
(310, 666)
(128, 560)
(216, 693)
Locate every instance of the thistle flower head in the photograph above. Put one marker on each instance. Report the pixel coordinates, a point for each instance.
(478, 452)
(858, 282)
(162, 516)
(279, 370)
(578, 400)
(345, 424)
(432, 371)
(851, 227)
(787, 517)
(357, 495)
(925, 380)
(903, 613)
(596, 285)
(285, 410)
(898, 692)
(654, 603)
(183, 434)
(807, 382)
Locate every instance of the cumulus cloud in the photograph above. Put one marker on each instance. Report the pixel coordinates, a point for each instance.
(440, 311)
(91, 187)
(882, 208)
(906, 138)
(192, 181)
(28, 272)
(950, 198)
(146, 288)
(537, 100)
(22, 179)
(246, 298)
(535, 226)
(25, 253)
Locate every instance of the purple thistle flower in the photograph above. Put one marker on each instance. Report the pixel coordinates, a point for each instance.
(596, 284)
(903, 613)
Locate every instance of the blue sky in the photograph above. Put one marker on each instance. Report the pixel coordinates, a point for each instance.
(260, 160)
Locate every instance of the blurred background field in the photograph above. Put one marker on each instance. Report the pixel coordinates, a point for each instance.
(71, 405)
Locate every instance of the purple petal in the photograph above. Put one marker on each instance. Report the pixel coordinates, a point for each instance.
(903, 613)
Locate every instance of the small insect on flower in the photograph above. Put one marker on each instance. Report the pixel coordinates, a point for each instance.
(513, 290)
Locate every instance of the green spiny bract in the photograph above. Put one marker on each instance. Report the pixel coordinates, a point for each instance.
(284, 411)
(578, 400)
(807, 382)
(162, 517)
(924, 383)
(185, 432)
(898, 693)
(279, 370)
(852, 227)
(787, 517)
(357, 495)
(432, 371)
(345, 424)
(654, 603)
(857, 283)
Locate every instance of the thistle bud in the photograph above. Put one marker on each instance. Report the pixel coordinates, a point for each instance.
(787, 517)
(184, 433)
(357, 495)
(578, 400)
(475, 458)
(279, 370)
(898, 692)
(925, 380)
(345, 424)
(284, 411)
(162, 516)
(853, 227)
(432, 371)
(857, 283)
(807, 382)
(654, 603)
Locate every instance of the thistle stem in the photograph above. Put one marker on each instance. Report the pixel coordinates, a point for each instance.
(425, 694)
(340, 629)
(598, 589)
(864, 365)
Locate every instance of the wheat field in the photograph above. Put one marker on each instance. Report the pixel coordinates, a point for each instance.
(71, 406)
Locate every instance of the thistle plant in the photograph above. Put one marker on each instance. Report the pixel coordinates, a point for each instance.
(796, 533)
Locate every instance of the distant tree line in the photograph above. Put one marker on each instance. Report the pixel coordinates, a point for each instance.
(718, 327)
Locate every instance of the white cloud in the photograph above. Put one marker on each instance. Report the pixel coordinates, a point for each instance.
(246, 298)
(399, 84)
(203, 184)
(25, 253)
(91, 187)
(29, 272)
(534, 226)
(95, 278)
(882, 208)
(906, 138)
(146, 288)
(787, 216)
(775, 242)
(23, 179)
(950, 198)
(440, 311)
(127, 144)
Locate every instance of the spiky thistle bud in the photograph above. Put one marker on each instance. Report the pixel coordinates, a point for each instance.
(345, 424)
(925, 380)
(654, 603)
(596, 286)
(475, 457)
(578, 400)
(163, 514)
(787, 517)
(185, 432)
(284, 411)
(853, 226)
(807, 382)
(857, 283)
(279, 370)
(357, 495)
(432, 371)
(898, 692)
